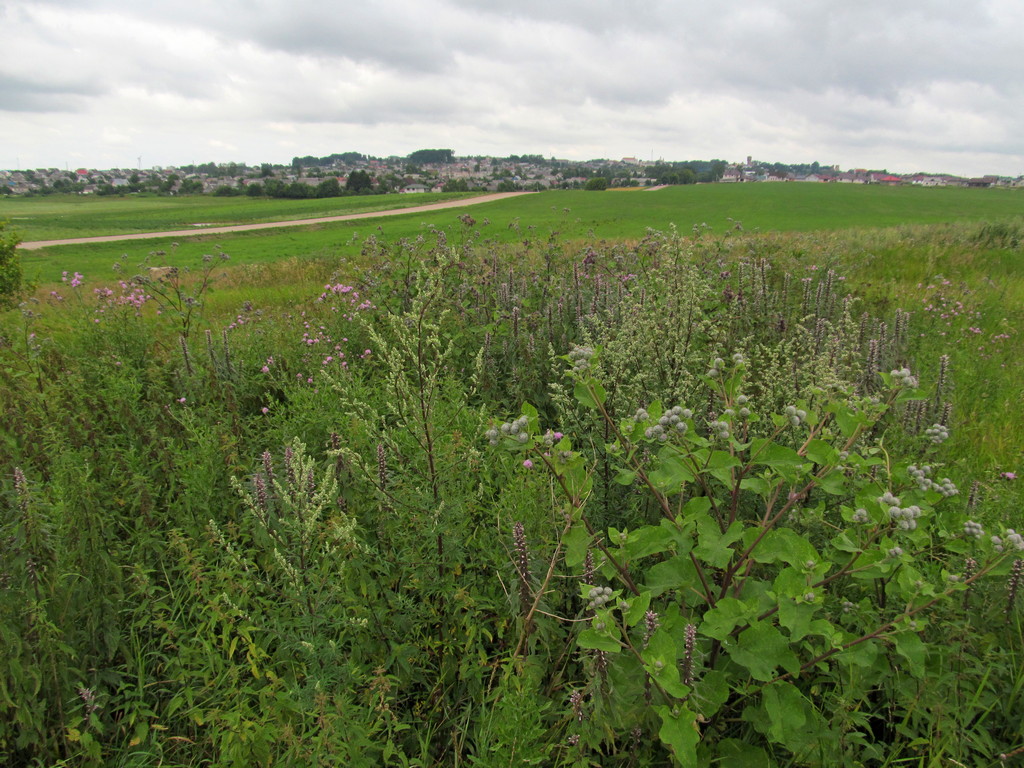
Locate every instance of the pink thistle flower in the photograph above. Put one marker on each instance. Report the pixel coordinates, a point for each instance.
(528, 464)
(1009, 475)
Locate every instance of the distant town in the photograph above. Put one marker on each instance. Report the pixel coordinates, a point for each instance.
(440, 170)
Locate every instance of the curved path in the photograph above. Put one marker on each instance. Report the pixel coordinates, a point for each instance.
(35, 244)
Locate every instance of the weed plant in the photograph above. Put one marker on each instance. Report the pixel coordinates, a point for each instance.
(690, 500)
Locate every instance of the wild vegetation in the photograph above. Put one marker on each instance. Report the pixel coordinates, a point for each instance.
(688, 498)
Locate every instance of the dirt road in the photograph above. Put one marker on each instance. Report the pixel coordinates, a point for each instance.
(204, 230)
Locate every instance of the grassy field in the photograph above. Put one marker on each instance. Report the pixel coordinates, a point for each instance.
(574, 216)
(69, 216)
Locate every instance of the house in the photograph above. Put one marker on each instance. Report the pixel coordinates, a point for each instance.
(412, 189)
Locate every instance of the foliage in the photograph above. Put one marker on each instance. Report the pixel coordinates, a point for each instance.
(719, 525)
(10, 266)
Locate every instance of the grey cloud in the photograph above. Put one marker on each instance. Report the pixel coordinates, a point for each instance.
(22, 95)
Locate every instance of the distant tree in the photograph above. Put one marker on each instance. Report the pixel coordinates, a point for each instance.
(299, 191)
(274, 188)
(226, 190)
(597, 184)
(328, 188)
(266, 170)
(424, 156)
(10, 267)
(455, 185)
(359, 182)
(254, 190)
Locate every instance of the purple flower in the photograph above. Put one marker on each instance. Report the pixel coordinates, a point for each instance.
(528, 464)
(1009, 475)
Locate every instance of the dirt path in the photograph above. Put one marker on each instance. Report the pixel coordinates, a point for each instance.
(36, 244)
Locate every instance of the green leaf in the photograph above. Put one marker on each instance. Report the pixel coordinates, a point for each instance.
(576, 542)
(660, 661)
(624, 477)
(848, 421)
(720, 465)
(711, 691)
(834, 483)
(680, 731)
(698, 505)
(647, 541)
(590, 396)
(727, 614)
(761, 648)
(786, 708)
(638, 606)
(796, 617)
(531, 414)
(675, 573)
(771, 454)
(672, 472)
(598, 641)
(821, 452)
(786, 545)
(713, 546)
(738, 754)
(912, 648)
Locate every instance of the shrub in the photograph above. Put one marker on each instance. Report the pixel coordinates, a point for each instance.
(10, 267)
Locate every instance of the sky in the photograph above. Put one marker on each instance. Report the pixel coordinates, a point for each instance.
(904, 85)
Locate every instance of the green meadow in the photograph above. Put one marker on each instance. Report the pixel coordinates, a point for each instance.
(572, 216)
(708, 475)
(66, 216)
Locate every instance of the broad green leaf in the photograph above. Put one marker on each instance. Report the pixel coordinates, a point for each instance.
(738, 754)
(589, 397)
(821, 452)
(727, 614)
(912, 648)
(714, 547)
(786, 545)
(638, 606)
(624, 477)
(576, 542)
(796, 617)
(790, 583)
(848, 421)
(647, 541)
(698, 505)
(834, 483)
(761, 649)
(675, 573)
(786, 708)
(679, 729)
(771, 454)
(720, 465)
(672, 472)
(862, 655)
(531, 414)
(660, 659)
(711, 691)
(598, 641)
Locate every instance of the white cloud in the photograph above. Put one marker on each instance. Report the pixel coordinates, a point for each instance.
(920, 83)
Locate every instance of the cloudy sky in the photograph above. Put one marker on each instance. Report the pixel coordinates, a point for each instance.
(907, 85)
